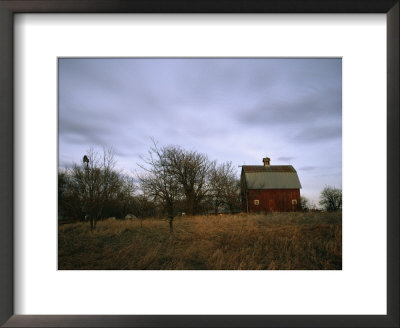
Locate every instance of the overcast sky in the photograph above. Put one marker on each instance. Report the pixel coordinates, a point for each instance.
(237, 110)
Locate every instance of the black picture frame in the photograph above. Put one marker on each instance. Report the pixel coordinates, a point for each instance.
(10, 7)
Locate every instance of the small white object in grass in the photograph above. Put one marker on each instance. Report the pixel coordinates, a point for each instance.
(130, 217)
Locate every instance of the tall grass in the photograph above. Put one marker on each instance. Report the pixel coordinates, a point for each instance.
(278, 241)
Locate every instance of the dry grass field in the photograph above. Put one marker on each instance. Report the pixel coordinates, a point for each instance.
(278, 241)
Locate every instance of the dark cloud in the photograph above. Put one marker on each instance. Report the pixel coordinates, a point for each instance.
(304, 104)
(285, 158)
(84, 130)
(300, 108)
(319, 134)
(307, 168)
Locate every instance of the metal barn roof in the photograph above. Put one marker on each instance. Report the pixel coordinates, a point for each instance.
(271, 177)
(271, 168)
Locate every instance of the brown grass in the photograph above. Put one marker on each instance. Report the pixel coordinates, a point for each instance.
(278, 241)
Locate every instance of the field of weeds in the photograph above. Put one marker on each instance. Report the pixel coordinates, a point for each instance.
(278, 241)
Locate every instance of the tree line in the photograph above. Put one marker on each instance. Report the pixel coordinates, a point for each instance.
(174, 181)
(330, 200)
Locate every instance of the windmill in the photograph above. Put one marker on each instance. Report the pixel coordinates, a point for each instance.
(86, 160)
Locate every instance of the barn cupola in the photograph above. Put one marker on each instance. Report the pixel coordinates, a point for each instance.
(266, 161)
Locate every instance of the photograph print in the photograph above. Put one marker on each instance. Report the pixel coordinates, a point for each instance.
(199, 164)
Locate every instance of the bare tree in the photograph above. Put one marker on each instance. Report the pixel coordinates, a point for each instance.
(331, 199)
(191, 169)
(232, 197)
(224, 187)
(62, 193)
(94, 182)
(188, 179)
(157, 182)
(143, 207)
(123, 202)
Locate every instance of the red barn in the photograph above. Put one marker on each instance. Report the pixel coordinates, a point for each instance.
(269, 188)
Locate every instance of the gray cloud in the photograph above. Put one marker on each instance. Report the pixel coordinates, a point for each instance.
(285, 158)
(307, 168)
(319, 133)
(295, 108)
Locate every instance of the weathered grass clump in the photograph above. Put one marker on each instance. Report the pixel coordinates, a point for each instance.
(278, 241)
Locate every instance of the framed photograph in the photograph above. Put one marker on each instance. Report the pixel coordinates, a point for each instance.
(108, 107)
(212, 212)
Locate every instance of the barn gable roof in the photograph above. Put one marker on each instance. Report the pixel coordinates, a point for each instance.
(271, 177)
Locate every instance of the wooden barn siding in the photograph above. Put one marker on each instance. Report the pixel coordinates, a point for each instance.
(274, 200)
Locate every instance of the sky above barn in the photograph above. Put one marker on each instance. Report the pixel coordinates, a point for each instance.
(231, 109)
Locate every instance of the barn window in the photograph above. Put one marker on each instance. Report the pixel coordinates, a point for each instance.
(256, 202)
(294, 201)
